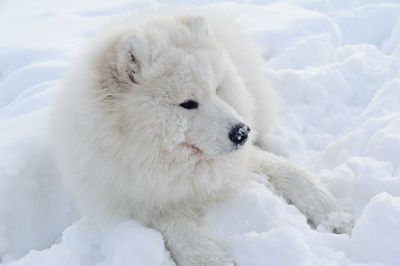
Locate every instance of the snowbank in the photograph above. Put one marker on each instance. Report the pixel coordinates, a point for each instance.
(336, 66)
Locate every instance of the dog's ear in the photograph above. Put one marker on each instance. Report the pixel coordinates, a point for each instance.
(131, 56)
(196, 24)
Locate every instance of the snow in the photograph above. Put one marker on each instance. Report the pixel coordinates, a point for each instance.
(336, 66)
(379, 223)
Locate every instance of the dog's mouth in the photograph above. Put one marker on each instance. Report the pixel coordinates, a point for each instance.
(194, 150)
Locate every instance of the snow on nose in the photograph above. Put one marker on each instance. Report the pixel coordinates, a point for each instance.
(238, 134)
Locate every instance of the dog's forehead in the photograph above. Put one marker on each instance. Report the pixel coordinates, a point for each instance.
(193, 70)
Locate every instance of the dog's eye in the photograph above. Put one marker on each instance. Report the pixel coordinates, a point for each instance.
(189, 104)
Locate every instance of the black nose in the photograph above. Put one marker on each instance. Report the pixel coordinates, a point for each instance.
(239, 133)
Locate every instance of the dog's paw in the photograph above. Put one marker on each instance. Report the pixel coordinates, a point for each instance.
(337, 222)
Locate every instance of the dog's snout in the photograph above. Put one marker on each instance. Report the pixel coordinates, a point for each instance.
(239, 133)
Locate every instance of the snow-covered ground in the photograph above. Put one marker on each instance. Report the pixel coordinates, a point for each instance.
(336, 66)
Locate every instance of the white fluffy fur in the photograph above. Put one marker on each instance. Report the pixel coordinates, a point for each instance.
(127, 149)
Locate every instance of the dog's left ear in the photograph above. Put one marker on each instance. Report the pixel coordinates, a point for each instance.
(196, 24)
(131, 54)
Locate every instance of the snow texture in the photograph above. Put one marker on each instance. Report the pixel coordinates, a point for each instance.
(336, 66)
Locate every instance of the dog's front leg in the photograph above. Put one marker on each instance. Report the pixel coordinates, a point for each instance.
(296, 184)
(189, 244)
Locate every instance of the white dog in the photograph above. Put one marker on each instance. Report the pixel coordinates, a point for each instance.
(156, 122)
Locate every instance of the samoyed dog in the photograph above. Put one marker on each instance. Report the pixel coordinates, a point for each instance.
(157, 121)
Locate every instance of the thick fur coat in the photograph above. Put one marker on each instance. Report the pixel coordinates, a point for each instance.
(153, 124)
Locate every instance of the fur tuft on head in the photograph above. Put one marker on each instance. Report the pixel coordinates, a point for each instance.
(196, 24)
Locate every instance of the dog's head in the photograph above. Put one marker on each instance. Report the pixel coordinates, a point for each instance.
(170, 83)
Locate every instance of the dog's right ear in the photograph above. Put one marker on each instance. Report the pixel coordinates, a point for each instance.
(131, 51)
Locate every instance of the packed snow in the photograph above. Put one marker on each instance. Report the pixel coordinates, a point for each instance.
(336, 67)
